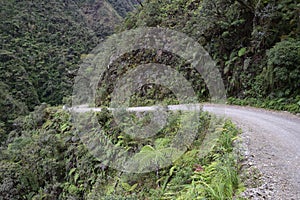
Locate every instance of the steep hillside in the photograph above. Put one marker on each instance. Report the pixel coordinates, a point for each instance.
(43, 155)
(124, 6)
(255, 43)
(42, 44)
(44, 158)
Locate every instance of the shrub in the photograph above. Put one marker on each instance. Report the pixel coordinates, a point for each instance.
(282, 74)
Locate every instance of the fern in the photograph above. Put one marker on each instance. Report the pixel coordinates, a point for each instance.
(149, 159)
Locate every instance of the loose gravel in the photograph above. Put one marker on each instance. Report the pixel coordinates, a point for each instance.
(270, 148)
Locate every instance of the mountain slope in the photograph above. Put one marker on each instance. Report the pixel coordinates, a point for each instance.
(256, 44)
(41, 44)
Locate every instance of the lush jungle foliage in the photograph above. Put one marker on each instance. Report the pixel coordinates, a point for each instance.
(256, 43)
(44, 158)
(42, 44)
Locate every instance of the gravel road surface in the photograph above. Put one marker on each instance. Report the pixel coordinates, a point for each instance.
(272, 145)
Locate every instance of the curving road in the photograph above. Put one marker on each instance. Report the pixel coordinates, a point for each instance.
(273, 142)
(272, 139)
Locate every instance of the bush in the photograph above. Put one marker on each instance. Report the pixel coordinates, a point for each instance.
(282, 74)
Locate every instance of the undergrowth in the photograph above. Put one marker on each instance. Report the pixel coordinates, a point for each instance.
(43, 158)
(283, 104)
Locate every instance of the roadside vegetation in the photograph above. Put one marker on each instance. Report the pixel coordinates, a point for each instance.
(256, 44)
(44, 158)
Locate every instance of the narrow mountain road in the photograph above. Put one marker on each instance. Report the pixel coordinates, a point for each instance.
(272, 140)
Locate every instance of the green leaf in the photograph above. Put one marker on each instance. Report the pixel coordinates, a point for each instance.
(76, 177)
(242, 52)
(47, 124)
(147, 148)
(72, 171)
(133, 187)
(64, 127)
(172, 170)
(126, 186)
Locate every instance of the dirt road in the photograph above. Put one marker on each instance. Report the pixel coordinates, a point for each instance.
(273, 143)
(272, 140)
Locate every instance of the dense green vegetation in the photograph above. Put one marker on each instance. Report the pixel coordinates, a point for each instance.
(41, 47)
(256, 44)
(44, 158)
